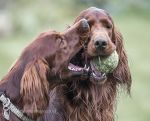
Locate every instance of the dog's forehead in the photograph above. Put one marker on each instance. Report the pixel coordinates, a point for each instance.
(95, 11)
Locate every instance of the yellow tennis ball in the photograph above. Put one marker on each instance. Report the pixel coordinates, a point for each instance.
(107, 64)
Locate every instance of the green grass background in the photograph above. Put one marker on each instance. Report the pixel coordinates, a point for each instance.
(136, 32)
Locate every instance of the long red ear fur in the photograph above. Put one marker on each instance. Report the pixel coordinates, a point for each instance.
(122, 72)
(34, 88)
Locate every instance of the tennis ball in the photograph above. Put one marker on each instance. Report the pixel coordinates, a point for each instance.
(106, 64)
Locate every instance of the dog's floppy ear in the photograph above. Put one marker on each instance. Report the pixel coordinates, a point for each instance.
(122, 72)
(34, 88)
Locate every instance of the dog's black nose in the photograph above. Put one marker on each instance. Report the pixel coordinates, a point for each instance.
(85, 25)
(100, 44)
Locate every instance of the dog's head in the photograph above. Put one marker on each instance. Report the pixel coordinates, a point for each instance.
(104, 39)
(102, 31)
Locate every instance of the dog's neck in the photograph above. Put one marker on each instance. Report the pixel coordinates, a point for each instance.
(11, 87)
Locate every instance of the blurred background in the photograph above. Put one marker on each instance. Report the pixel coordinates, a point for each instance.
(22, 20)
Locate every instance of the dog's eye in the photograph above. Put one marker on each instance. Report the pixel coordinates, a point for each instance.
(90, 22)
(108, 26)
(106, 23)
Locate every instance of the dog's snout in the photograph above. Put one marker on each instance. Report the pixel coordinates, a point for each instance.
(101, 44)
(85, 25)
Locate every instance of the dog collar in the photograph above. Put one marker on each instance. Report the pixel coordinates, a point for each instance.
(9, 107)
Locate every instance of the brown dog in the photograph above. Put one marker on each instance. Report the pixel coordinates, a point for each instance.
(42, 64)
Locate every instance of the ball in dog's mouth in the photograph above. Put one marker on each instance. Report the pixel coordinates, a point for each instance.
(102, 65)
(106, 64)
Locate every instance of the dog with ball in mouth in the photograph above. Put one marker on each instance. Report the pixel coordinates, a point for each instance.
(94, 99)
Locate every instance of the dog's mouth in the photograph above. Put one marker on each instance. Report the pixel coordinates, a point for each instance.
(81, 63)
